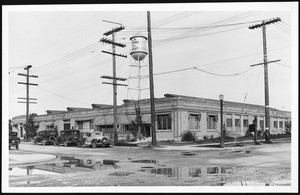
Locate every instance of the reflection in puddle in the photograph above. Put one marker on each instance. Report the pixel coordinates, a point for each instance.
(188, 154)
(187, 172)
(30, 170)
(144, 161)
(121, 173)
(248, 183)
(65, 164)
(110, 162)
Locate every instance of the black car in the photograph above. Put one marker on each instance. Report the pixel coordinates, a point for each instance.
(46, 137)
(70, 137)
(14, 140)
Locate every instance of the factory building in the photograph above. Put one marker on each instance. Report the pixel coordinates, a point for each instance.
(175, 114)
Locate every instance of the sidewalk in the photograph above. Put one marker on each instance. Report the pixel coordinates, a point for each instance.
(18, 159)
(202, 146)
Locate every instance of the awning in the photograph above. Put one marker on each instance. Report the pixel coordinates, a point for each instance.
(104, 120)
(146, 118)
(83, 118)
(42, 127)
(48, 123)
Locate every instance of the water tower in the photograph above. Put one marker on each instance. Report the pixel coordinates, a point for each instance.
(139, 51)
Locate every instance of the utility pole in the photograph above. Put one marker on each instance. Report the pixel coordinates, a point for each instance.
(27, 93)
(265, 63)
(152, 104)
(114, 77)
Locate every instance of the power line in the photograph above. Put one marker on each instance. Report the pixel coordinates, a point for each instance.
(235, 74)
(62, 96)
(283, 65)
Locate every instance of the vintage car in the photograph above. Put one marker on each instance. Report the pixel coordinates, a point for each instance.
(14, 140)
(95, 139)
(46, 137)
(70, 137)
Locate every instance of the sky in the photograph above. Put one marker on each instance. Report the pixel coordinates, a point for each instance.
(199, 50)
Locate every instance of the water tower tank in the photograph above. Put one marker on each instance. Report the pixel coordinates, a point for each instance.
(138, 47)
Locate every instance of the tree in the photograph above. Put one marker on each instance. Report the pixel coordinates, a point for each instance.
(137, 122)
(30, 130)
(9, 125)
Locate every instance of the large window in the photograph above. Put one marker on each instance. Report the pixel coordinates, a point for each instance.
(275, 124)
(228, 122)
(245, 123)
(280, 124)
(67, 124)
(261, 123)
(194, 121)
(80, 124)
(237, 122)
(164, 122)
(211, 122)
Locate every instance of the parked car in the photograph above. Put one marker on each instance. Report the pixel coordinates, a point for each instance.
(70, 137)
(95, 139)
(46, 137)
(14, 140)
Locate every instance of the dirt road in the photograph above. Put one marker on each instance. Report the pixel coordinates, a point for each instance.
(266, 164)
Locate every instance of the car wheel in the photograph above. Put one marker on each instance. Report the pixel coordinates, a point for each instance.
(9, 147)
(17, 146)
(94, 144)
(44, 142)
(66, 143)
(79, 144)
(54, 142)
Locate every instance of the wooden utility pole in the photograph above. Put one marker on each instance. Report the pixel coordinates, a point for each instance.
(27, 93)
(114, 77)
(267, 111)
(152, 104)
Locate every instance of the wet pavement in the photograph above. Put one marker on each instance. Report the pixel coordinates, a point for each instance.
(107, 166)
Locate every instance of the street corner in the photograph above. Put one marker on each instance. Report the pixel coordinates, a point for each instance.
(18, 159)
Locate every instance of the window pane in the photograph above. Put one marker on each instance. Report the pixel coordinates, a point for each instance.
(237, 122)
(245, 123)
(261, 123)
(280, 124)
(228, 122)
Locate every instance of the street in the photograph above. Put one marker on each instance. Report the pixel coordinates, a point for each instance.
(256, 165)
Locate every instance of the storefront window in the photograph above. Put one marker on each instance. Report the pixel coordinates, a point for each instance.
(164, 122)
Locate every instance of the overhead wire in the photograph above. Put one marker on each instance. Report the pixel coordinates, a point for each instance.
(62, 96)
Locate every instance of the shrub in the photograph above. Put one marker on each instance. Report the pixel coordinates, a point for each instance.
(288, 128)
(189, 136)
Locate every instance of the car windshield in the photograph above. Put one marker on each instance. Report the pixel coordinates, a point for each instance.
(51, 132)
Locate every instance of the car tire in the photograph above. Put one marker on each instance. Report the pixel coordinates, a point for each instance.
(17, 146)
(44, 142)
(54, 142)
(94, 144)
(66, 143)
(79, 144)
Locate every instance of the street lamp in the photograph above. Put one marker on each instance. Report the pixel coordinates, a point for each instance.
(221, 97)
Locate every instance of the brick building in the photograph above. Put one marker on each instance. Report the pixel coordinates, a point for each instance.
(175, 114)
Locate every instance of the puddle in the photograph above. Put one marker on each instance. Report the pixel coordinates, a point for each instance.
(144, 161)
(188, 154)
(110, 162)
(30, 170)
(190, 172)
(248, 183)
(121, 173)
(63, 164)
